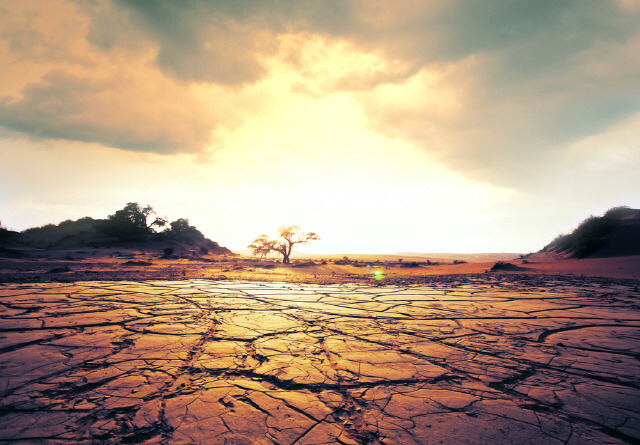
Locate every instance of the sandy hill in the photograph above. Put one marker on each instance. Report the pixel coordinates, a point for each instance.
(614, 234)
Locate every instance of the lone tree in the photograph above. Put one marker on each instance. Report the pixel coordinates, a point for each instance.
(283, 244)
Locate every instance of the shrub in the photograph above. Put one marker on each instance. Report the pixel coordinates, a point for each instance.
(590, 233)
(410, 264)
(618, 212)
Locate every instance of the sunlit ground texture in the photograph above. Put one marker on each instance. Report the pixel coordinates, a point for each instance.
(528, 361)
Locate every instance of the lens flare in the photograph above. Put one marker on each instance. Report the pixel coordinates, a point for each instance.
(378, 275)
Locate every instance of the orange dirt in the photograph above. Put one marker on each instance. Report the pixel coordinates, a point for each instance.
(135, 265)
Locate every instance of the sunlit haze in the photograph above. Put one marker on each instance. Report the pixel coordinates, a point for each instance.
(382, 126)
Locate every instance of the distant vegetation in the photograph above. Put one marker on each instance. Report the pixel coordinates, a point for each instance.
(131, 224)
(591, 234)
(7, 236)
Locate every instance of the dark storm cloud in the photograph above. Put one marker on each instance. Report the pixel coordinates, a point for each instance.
(226, 41)
(530, 76)
(115, 112)
(536, 59)
(92, 93)
(197, 44)
(192, 34)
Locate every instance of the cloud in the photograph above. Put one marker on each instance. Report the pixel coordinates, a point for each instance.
(198, 41)
(132, 111)
(71, 90)
(503, 88)
(497, 90)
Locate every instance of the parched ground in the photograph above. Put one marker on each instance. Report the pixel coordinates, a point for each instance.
(113, 264)
(497, 359)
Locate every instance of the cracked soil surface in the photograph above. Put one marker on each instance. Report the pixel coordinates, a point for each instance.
(477, 361)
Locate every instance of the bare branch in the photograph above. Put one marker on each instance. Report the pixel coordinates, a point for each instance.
(288, 237)
(262, 246)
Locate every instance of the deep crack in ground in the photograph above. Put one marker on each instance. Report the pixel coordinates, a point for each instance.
(274, 363)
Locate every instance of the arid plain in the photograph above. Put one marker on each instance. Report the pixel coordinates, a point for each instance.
(129, 347)
(399, 130)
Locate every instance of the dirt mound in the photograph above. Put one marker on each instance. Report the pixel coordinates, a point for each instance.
(137, 263)
(502, 266)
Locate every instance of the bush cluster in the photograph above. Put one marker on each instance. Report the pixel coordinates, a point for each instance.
(589, 235)
(133, 223)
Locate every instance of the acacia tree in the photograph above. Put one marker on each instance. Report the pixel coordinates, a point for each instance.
(283, 244)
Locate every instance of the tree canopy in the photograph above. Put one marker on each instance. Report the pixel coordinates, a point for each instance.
(288, 236)
(181, 230)
(133, 222)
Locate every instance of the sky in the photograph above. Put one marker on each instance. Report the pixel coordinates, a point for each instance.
(404, 126)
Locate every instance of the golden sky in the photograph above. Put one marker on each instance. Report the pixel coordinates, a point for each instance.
(422, 126)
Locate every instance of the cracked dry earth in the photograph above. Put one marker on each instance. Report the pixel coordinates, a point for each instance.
(189, 362)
